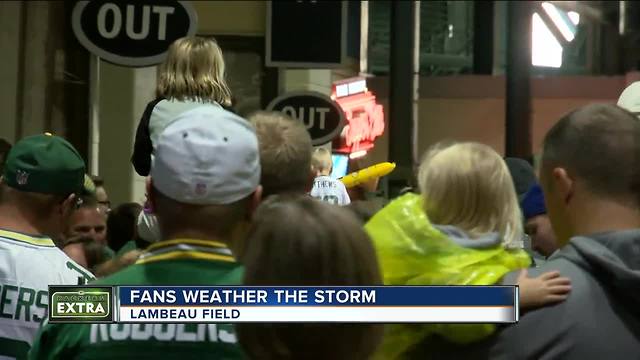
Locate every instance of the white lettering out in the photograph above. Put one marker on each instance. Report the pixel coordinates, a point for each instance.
(102, 23)
(162, 12)
(145, 21)
(131, 15)
(323, 112)
(310, 119)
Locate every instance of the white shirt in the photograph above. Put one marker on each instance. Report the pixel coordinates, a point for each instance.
(330, 190)
(28, 265)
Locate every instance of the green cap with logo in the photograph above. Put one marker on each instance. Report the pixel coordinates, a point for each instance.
(45, 164)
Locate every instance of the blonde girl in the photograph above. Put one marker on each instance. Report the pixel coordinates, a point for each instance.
(465, 228)
(192, 74)
(469, 196)
(468, 186)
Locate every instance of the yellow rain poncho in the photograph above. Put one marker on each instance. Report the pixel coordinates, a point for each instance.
(413, 252)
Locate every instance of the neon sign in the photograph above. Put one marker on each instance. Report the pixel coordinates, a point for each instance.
(365, 117)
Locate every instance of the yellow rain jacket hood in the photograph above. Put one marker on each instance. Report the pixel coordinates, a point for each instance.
(412, 251)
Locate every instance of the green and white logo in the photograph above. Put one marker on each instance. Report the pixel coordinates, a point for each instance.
(80, 304)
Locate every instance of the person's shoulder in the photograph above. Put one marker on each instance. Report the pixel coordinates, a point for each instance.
(151, 104)
(131, 275)
(566, 268)
(69, 267)
(185, 271)
(581, 283)
(15, 239)
(51, 263)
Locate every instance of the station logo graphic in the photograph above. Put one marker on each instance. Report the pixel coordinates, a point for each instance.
(89, 304)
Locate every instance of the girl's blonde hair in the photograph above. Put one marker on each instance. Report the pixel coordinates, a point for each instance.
(194, 70)
(468, 185)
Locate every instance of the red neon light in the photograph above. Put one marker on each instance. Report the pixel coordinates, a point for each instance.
(365, 122)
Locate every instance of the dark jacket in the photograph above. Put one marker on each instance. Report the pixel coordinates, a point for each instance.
(143, 147)
(599, 320)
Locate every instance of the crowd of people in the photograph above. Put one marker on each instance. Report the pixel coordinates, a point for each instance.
(234, 201)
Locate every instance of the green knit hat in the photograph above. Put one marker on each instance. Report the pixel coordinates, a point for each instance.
(44, 164)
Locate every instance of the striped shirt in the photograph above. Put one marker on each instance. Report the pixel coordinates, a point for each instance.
(28, 265)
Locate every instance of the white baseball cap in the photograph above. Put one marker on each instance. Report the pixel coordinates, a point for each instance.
(630, 98)
(207, 156)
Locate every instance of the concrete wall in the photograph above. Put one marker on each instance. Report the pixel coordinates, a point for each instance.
(124, 93)
(10, 25)
(472, 108)
(30, 34)
(231, 17)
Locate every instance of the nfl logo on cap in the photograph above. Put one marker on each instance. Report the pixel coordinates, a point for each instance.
(201, 189)
(22, 177)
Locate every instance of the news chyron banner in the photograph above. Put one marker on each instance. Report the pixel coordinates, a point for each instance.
(236, 304)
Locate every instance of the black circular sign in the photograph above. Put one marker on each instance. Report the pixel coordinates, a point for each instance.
(323, 117)
(133, 32)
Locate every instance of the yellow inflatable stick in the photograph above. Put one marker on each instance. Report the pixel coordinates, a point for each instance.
(366, 174)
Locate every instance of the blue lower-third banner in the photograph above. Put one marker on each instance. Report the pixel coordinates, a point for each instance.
(374, 304)
(234, 304)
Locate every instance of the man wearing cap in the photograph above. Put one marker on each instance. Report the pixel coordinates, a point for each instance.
(204, 186)
(39, 183)
(537, 224)
(523, 177)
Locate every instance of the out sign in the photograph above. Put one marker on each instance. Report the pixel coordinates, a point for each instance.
(311, 117)
(134, 32)
(323, 117)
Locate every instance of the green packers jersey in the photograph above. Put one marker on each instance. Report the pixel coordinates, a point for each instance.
(28, 265)
(174, 262)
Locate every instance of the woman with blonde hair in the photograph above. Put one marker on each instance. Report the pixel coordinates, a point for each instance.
(465, 228)
(192, 74)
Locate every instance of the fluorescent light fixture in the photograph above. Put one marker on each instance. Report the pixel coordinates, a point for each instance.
(342, 90)
(574, 16)
(545, 50)
(357, 87)
(557, 19)
(352, 88)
